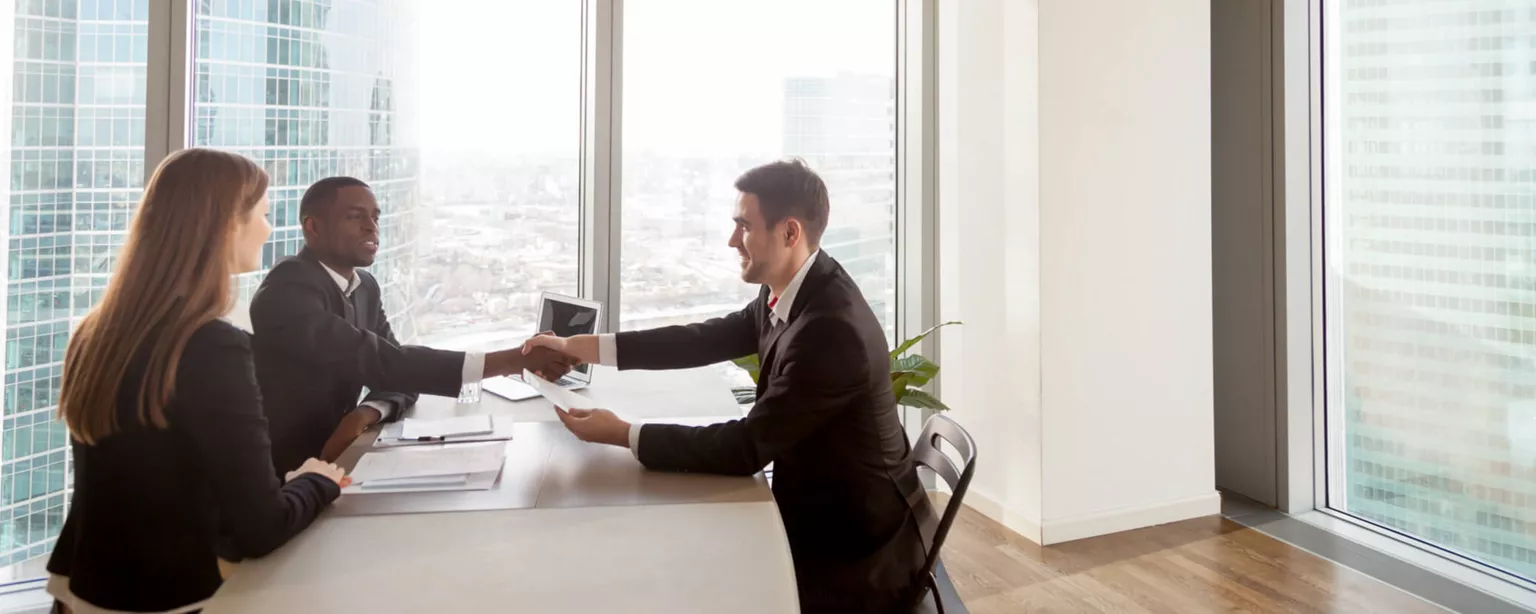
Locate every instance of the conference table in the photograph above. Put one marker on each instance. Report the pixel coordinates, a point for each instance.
(569, 526)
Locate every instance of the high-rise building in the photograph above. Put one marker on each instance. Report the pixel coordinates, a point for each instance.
(845, 128)
(76, 163)
(1432, 217)
(305, 88)
(309, 90)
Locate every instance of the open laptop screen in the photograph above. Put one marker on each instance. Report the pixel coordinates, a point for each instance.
(567, 319)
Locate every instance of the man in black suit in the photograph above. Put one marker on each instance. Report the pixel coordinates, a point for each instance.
(825, 416)
(321, 336)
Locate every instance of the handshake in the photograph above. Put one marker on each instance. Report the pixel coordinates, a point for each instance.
(549, 356)
(545, 354)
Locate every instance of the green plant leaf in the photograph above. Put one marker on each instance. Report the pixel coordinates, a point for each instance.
(922, 400)
(919, 368)
(907, 345)
(750, 365)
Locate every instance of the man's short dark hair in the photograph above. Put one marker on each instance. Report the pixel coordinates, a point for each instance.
(323, 193)
(789, 188)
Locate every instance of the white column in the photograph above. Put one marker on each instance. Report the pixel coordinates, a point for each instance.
(1075, 244)
(989, 240)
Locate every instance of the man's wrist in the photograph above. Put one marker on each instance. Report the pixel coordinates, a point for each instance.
(504, 362)
(620, 436)
(368, 415)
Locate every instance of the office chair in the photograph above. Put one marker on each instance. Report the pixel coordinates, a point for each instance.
(926, 453)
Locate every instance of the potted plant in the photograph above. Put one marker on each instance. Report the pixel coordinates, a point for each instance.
(908, 375)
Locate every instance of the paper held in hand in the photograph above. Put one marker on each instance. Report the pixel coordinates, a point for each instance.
(561, 397)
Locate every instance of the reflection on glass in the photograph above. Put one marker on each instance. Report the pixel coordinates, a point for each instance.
(1431, 215)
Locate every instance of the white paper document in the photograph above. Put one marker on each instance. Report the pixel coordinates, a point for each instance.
(561, 397)
(422, 482)
(471, 481)
(393, 434)
(424, 461)
(447, 427)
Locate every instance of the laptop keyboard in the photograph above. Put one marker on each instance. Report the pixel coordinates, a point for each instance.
(566, 382)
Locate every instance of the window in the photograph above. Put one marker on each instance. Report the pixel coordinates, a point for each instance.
(466, 117)
(76, 171)
(1431, 274)
(467, 129)
(747, 98)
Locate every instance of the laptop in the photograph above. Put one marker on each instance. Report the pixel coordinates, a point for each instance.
(564, 316)
(567, 316)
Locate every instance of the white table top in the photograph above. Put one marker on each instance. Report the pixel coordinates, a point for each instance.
(591, 530)
(712, 557)
(634, 395)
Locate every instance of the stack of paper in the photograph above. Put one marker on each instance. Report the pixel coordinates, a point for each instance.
(465, 466)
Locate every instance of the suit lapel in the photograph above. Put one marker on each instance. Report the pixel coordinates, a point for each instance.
(772, 338)
(338, 304)
(822, 271)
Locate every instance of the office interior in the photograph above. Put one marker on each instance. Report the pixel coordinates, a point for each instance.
(1244, 289)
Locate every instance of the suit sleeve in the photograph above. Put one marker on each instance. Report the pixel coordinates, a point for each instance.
(400, 401)
(223, 418)
(291, 320)
(822, 372)
(694, 345)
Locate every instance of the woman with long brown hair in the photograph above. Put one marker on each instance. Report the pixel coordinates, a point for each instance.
(173, 465)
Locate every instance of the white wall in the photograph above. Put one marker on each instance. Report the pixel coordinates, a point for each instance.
(989, 231)
(1075, 244)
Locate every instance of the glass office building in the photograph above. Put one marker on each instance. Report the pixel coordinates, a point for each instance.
(305, 88)
(1432, 245)
(845, 128)
(76, 161)
(308, 90)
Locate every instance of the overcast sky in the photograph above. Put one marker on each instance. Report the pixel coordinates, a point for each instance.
(700, 76)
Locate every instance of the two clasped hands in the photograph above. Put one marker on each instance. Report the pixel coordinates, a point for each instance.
(546, 355)
(543, 358)
(591, 425)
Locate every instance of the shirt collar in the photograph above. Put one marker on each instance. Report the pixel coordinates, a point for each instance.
(347, 286)
(782, 304)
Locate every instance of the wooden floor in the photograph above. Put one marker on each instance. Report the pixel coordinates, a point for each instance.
(1205, 565)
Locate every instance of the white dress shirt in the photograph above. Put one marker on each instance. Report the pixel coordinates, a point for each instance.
(474, 362)
(778, 313)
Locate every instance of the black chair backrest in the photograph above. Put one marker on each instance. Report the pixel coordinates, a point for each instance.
(927, 453)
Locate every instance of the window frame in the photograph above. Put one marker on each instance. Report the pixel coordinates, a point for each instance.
(1307, 363)
(169, 127)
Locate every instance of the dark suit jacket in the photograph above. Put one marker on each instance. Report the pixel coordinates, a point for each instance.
(315, 353)
(153, 508)
(825, 417)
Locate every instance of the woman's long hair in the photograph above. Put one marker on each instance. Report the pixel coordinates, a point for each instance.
(172, 277)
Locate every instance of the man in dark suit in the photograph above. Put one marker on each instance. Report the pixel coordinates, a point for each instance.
(825, 416)
(321, 336)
